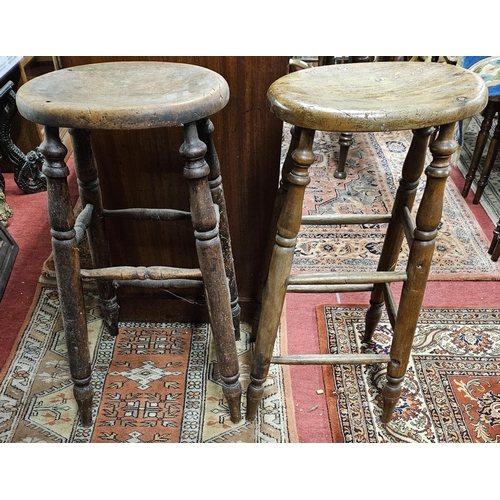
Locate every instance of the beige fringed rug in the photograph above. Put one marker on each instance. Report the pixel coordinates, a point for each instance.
(373, 171)
(154, 383)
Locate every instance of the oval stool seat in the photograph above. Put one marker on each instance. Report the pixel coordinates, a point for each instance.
(123, 95)
(377, 96)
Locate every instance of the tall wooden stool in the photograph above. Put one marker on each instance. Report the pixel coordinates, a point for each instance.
(126, 96)
(368, 97)
(488, 68)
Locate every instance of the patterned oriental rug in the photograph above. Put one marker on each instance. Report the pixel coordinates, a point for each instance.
(451, 393)
(373, 170)
(154, 383)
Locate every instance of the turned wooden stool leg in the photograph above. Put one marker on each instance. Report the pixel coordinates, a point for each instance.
(494, 249)
(419, 263)
(482, 138)
(278, 204)
(489, 161)
(67, 267)
(405, 196)
(209, 249)
(205, 131)
(345, 142)
(90, 194)
(280, 266)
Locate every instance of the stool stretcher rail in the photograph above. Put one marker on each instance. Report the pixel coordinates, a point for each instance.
(163, 214)
(347, 278)
(331, 359)
(141, 273)
(336, 219)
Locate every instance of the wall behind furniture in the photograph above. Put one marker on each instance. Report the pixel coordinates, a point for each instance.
(144, 169)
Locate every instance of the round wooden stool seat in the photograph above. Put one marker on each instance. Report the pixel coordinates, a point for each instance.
(123, 95)
(379, 96)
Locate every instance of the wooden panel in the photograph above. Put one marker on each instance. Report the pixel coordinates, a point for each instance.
(144, 169)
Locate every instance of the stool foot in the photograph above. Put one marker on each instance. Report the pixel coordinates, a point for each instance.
(255, 393)
(495, 253)
(494, 249)
(111, 311)
(83, 392)
(372, 319)
(467, 186)
(390, 397)
(345, 142)
(231, 388)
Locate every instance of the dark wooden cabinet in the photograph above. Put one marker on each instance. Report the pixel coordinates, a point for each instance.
(144, 169)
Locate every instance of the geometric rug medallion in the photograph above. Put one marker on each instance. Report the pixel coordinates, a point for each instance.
(153, 383)
(451, 392)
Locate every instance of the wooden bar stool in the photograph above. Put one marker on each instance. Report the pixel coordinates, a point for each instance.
(368, 97)
(126, 96)
(488, 68)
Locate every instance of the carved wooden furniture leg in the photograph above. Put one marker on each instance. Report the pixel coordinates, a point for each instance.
(90, 195)
(489, 161)
(345, 142)
(279, 269)
(346, 138)
(209, 249)
(402, 96)
(482, 139)
(494, 249)
(67, 267)
(419, 262)
(413, 167)
(205, 130)
(278, 205)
